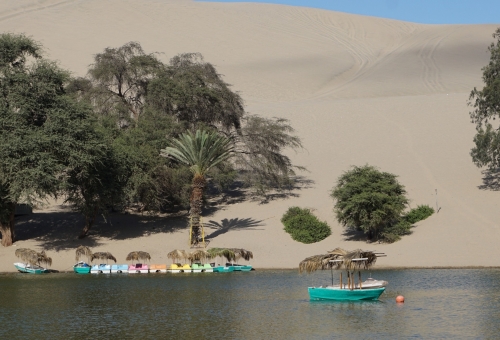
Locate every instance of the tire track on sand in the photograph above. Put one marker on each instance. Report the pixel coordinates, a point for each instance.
(30, 9)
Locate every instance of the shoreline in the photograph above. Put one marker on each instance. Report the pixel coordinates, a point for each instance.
(287, 269)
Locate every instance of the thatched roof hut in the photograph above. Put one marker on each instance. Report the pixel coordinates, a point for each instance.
(83, 251)
(33, 257)
(101, 255)
(138, 256)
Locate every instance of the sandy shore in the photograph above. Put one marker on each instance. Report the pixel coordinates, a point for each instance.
(357, 89)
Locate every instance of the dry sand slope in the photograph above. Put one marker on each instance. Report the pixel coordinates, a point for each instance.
(357, 89)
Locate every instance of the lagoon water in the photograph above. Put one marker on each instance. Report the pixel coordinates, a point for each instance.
(262, 304)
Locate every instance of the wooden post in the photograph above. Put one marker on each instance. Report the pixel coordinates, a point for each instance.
(340, 280)
(360, 280)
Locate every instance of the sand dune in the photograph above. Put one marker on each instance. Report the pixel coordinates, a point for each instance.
(357, 89)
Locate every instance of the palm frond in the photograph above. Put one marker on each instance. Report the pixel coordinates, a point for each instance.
(200, 151)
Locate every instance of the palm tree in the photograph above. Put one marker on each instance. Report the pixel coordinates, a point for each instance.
(201, 152)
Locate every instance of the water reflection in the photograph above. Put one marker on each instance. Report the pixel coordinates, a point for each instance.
(256, 305)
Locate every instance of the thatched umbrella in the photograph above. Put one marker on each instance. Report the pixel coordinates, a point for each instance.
(83, 251)
(242, 254)
(102, 255)
(43, 258)
(199, 255)
(228, 253)
(32, 257)
(324, 261)
(177, 254)
(138, 255)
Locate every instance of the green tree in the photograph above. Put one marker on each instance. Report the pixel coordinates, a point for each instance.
(192, 91)
(368, 200)
(486, 103)
(118, 80)
(185, 94)
(41, 128)
(201, 152)
(96, 178)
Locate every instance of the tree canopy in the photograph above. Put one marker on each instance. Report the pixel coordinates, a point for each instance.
(46, 136)
(486, 104)
(368, 200)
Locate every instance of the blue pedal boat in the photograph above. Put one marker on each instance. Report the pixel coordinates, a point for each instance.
(119, 269)
(100, 269)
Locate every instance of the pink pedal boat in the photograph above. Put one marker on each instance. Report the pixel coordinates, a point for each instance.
(138, 268)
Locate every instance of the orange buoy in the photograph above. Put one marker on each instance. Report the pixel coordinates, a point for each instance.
(400, 299)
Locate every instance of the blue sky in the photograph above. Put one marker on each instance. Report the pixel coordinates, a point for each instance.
(421, 11)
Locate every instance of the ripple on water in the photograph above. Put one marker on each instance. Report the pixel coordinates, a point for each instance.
(270, 304)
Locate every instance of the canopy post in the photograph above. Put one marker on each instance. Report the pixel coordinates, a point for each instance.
(341, 280)
(331, 269)
(360, 287)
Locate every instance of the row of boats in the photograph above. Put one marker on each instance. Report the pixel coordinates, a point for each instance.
(32, 262)
(142, 268)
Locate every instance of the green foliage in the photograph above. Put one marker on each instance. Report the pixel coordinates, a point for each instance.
(260, 153)
(118, 81)
(394, 230)
(303, 226)
(200, 151)
(368, 200)
(191, 90)
(45, 134)
(486, 103)
(419, 213)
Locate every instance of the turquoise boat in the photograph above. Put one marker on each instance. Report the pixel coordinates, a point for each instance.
(240, 267)
(30, 268)
(222, 269)
(350, 261)
(81, 268)
(342, 294)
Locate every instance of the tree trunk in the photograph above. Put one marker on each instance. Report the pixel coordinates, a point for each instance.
(196, 202)
(89, 222)
(7, 226)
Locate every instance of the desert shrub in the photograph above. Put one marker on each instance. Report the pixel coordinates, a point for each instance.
(369, 200)
(304, 227)
(394, 231)
(419, 213)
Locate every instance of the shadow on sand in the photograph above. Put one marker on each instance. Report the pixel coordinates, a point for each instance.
(491, 180)
(233, 224)
(60, 230)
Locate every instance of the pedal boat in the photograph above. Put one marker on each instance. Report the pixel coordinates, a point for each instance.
(100, 269)
(138, 268)
(119, 269)
(158, 268)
